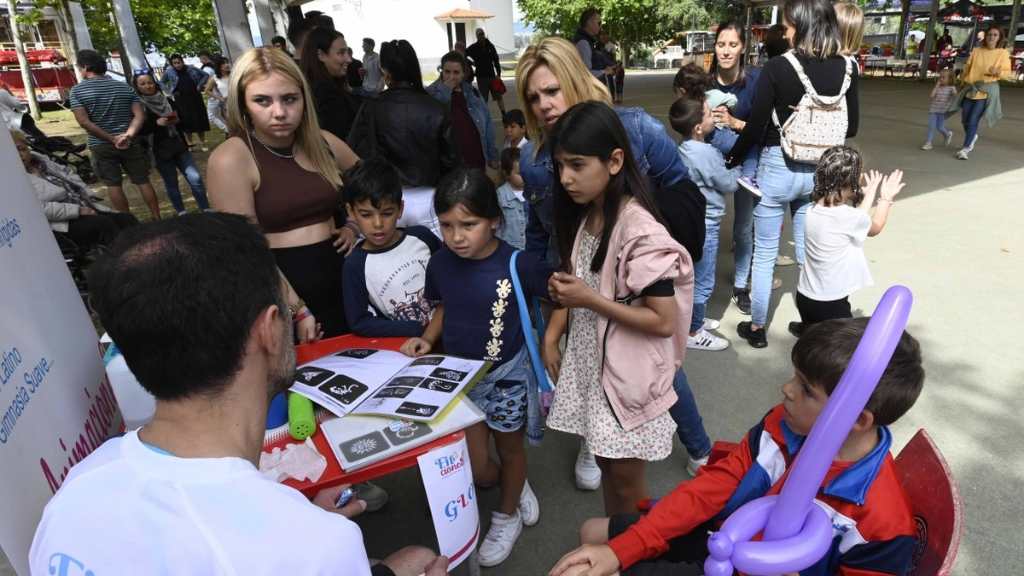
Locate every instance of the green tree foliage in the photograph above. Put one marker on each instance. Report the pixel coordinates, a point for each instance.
(629, 21)
(170, 26)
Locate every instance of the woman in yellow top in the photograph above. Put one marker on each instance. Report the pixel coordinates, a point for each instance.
(986, 65)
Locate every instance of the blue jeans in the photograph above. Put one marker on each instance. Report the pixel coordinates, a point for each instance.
(782, 184)
(168, 170)
(689, 425)
(937, 123)
(704, 273)
(723, 140)
(971, 112)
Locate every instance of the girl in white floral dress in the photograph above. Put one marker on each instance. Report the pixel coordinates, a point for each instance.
(626, 301)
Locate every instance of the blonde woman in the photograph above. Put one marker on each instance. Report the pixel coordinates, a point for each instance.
(989, 62)
(851, 27)
(282, 171)
(551, 78)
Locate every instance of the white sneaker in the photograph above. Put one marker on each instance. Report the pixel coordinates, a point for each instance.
(949, 138)
(784, 260)
(588, 475)
(926, 146)
(704, 340)
(711, 324)
(749, 185)
(694, 465)
(962, 154)
(529, 508)
(500, 539)
(970, 147)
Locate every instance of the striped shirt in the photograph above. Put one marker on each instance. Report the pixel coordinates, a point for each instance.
(943, 97)
(107, 102)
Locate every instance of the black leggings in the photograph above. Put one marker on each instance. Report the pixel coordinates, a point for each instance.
(314, 271)
(814, 311)
(98, 229)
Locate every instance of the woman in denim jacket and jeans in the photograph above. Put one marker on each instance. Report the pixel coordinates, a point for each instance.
(550, 79)
(447, 90)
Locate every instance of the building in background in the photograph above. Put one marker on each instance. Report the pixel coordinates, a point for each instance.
(431, 26)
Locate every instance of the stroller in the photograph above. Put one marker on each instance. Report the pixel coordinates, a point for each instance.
(59, 149)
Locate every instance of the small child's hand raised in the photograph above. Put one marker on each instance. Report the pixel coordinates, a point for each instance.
(872, 178)
(891, 185)
(416, 347)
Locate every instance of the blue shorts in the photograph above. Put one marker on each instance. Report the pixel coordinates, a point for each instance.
(501, 394)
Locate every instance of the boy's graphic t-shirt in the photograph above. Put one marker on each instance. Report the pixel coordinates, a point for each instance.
(384, 289)
(481, 314)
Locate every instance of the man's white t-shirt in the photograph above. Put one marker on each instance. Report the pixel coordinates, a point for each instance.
(835, 265)
(128, 509)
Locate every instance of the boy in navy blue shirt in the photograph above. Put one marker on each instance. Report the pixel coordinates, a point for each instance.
(385, 274)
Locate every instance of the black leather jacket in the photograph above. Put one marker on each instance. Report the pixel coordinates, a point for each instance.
(409, 129)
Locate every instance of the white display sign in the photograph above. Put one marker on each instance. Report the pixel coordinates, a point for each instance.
(55, 403)
(448, 481)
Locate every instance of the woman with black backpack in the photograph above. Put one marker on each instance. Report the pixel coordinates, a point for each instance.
(794, 125)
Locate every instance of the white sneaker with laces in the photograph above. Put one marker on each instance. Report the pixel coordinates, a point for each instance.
(695, 464)
(704, 340)
(588, 475)
(962, 154)
(949, 138)
(529, 508)
(501, 537)
(926, 146)
(711, 324)
(749, 185)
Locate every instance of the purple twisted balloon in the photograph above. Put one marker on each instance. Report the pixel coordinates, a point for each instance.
(797, 533)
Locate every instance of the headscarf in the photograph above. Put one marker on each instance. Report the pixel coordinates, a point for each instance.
(160, 105)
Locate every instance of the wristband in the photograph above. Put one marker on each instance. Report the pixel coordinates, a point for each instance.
(302, 315)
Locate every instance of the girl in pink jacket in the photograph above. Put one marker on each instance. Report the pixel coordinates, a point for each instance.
(626, 297)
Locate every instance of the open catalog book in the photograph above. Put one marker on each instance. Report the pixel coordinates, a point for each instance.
(385, 383)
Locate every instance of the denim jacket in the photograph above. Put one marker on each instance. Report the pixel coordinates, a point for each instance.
(170, 79)
(477, 110)
(513, 212)
(656, 157)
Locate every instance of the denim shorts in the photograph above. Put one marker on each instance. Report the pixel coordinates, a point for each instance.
(501, 394)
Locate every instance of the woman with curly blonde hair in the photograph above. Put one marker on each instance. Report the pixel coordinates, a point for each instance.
(283, 172)
(551, 78)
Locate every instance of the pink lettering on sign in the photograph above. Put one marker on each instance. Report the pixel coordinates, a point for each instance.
(102, 414)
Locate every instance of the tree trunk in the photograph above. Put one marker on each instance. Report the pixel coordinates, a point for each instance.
(1014, 24)
(901, 46)
(19, 50)
(929, 39)
(66, 30)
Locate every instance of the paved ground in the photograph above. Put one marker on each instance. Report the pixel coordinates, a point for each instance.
(951, 239)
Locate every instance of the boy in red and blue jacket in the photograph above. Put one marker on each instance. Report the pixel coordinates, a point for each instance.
(873, 528)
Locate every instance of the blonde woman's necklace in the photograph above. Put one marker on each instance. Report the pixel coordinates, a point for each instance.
(286, 153)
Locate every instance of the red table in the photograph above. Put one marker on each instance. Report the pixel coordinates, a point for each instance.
(334, 475)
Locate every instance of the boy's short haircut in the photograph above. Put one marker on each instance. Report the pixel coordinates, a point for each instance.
(374, 179)
(685, 114)
(824, 351)
(693, 80)
(514, 116)
(509, 158)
